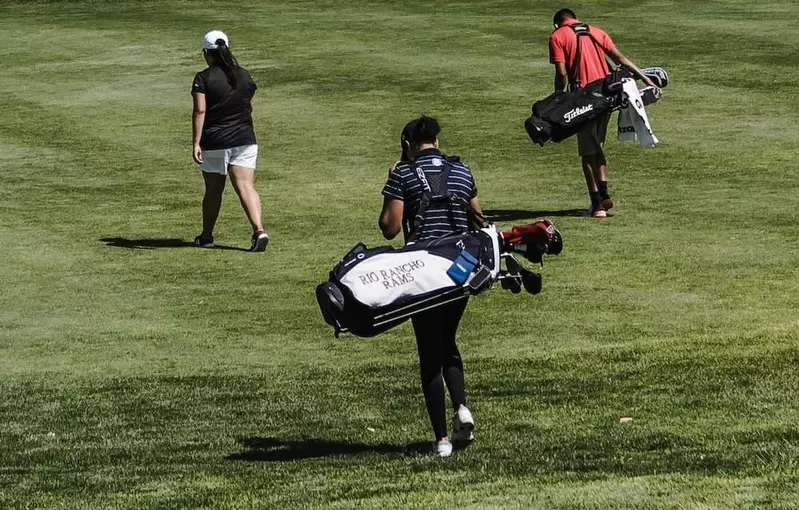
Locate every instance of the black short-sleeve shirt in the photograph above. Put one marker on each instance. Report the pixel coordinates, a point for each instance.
(405, 184)
(228, 114)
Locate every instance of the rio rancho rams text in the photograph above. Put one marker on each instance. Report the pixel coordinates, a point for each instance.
(392, 277)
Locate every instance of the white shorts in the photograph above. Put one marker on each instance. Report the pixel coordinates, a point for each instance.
(217, 161)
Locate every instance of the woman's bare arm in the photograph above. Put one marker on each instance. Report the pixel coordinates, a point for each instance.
(198, 120)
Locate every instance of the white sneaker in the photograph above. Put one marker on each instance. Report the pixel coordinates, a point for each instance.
(443, 448)
(463, 426)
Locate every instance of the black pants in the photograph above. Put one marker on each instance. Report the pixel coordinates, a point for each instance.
(440, 361)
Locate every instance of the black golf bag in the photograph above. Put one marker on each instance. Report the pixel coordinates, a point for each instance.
(373, 290)
(563, 114)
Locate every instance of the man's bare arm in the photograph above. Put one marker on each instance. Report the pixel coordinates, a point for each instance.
(620, 59)
(476, 220)
(390, 221)
(561, 75)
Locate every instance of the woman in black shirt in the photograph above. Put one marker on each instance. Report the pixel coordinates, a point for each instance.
(224, 138)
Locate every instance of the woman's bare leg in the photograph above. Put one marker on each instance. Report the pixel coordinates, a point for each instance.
(212, 201)
(243, 180)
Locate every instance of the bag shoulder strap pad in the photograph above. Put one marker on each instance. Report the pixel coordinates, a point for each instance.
(584, 30)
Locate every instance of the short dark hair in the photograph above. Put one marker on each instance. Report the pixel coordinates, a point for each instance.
(562, 15)
(416, 132)
(421, 130)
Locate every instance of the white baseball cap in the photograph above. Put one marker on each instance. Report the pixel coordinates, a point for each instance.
(209, 39)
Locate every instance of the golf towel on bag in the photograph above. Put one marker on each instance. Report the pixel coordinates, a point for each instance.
(633, 123)
(374, 290)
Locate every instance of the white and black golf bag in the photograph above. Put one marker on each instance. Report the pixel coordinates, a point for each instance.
(373, 290)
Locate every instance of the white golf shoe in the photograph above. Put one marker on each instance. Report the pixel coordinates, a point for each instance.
(443, 448)
(463, 426)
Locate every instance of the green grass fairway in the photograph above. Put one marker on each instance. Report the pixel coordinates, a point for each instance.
(137, 372)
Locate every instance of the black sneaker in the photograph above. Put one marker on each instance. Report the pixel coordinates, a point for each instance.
(607, 204)
(259, 241)
(204, 242)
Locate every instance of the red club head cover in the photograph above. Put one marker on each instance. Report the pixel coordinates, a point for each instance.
(540, 232)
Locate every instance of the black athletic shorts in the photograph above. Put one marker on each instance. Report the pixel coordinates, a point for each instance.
(592, 136)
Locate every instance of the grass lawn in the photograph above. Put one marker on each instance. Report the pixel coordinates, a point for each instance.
(137, 372)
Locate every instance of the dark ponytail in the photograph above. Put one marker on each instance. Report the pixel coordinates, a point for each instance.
(225, 59)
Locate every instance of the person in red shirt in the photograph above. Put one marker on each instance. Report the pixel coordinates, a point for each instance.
(580, 60)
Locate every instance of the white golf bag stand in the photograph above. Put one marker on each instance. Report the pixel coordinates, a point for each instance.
(373, 290)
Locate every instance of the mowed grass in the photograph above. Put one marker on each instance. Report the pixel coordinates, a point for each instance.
(136, 372)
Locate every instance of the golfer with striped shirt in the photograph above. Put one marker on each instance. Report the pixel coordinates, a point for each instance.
(439, 359)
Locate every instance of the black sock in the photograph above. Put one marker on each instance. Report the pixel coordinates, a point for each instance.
(596, 202)
(603, 189)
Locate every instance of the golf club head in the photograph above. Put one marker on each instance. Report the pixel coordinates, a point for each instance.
(658, 75)
(555, 244)
(532, 282)
(534, 252)
(511, 283)
(513, 265)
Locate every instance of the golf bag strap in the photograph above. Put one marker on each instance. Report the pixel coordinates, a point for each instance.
(583, 30)
(428, 195)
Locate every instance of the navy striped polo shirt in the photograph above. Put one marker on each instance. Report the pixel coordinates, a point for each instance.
(405, 184)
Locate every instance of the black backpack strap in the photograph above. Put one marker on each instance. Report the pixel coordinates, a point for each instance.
(472, 216)
(583, 30)
(430, 195)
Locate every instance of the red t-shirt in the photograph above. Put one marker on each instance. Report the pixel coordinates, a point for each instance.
(563, 48)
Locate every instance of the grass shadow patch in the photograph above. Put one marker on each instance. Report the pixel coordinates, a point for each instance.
(271, 449)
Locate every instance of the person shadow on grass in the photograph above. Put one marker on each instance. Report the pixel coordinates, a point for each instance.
(521, 214)
(149, 244)
(271, 449)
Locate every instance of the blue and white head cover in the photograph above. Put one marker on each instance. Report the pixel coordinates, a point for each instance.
(658, 75)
